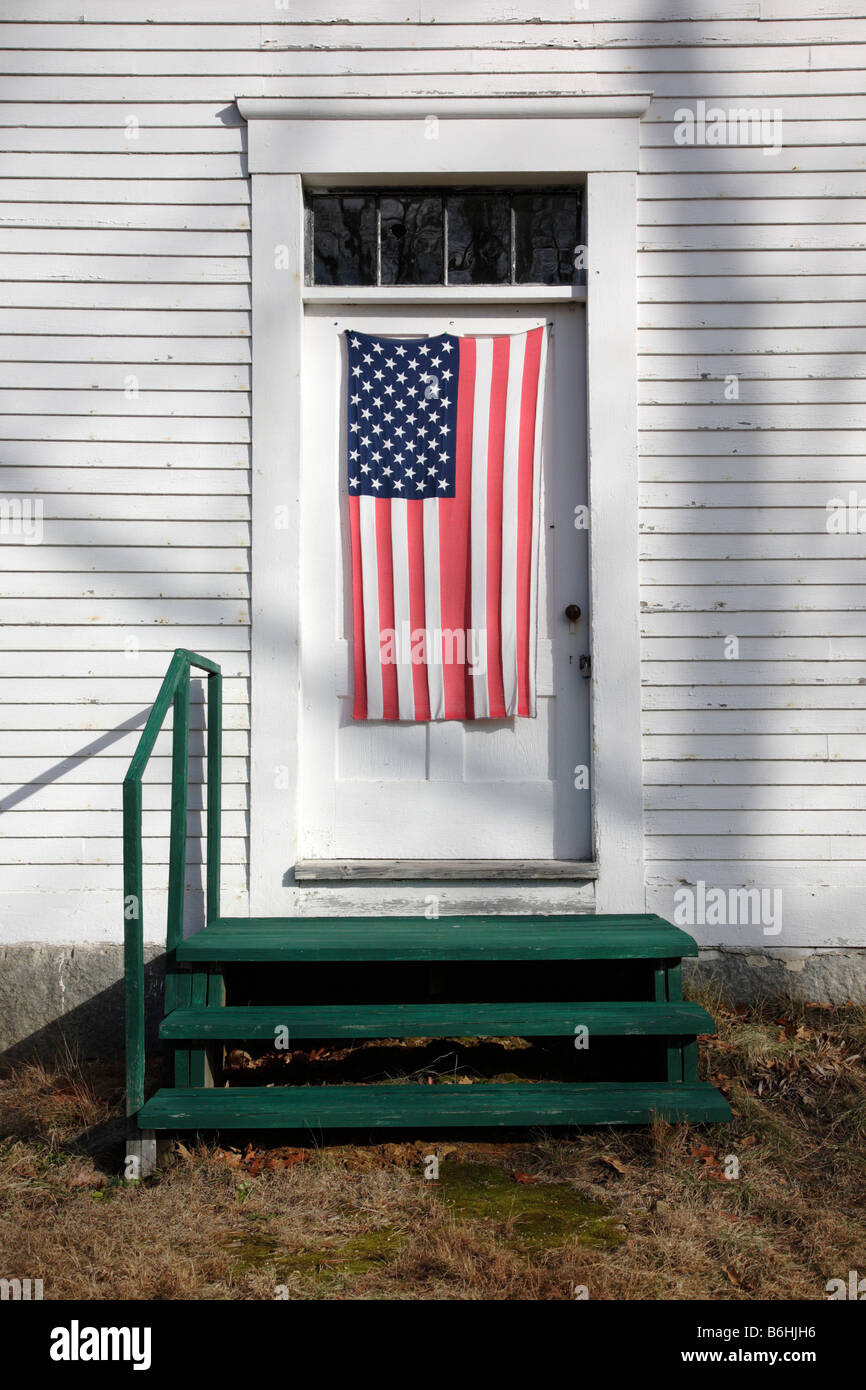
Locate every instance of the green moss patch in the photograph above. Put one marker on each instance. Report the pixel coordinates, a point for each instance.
(538, 1214)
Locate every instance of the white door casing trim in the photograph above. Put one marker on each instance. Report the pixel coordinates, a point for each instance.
(297, 140)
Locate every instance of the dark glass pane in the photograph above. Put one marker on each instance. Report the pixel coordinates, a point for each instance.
(479, 239)
(344, 240)
(412, 240)
(546, 237)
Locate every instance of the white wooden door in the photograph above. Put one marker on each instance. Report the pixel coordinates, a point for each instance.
(465, 790)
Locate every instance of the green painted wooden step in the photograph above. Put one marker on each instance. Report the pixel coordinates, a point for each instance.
(413, 1106)
(438, 1020)
(639, 937)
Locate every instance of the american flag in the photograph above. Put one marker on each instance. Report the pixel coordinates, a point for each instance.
(444, 466)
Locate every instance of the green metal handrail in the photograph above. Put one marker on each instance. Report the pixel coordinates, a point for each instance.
(174, 690)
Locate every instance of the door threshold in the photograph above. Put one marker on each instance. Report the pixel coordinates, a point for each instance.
(452, 870)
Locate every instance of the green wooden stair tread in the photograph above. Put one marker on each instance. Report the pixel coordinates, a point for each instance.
(604, 937)
(438, 1020)
(446, 1105)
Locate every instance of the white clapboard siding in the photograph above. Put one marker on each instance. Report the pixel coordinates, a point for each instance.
(220, 481)
(131, 291)
(33, 401)
(103, 717)
(125, 585)
(106, 453)
(820, 674)
(65, 743)
(223, 379)
(833, 469)
(64, 796)
(87, 850)
(124, 686)
(788, 649)
(24, 777)
(124, 254)
(666, 782)
(127, 348)
(90, 559)
(118, 216)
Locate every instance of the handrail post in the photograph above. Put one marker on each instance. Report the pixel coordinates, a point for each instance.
(177, 833)
(214, 794)
(133, 946)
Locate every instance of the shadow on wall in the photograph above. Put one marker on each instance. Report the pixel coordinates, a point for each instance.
(94, 1026)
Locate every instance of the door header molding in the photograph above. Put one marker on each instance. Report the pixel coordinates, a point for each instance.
(592, 105)
(514, 136)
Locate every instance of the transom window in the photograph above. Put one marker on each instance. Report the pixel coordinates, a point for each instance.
(445, 237)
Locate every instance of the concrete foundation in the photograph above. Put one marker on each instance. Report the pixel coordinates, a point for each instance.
(51, 995)
(834, 975)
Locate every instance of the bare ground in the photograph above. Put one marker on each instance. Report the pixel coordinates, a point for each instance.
(771, 1206)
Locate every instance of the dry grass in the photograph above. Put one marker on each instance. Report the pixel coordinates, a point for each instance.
(629, 1214)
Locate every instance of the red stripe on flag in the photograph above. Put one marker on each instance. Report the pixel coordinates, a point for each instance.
(529, 395)
(454, 542)
(359, 710)
(385, 568)
(495, 456)
(417, 616)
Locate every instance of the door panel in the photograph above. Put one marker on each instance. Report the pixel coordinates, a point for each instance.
(488, 789)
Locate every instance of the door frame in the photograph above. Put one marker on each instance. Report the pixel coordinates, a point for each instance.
(300, 141)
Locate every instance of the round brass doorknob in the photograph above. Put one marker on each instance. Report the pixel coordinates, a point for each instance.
(572, 612)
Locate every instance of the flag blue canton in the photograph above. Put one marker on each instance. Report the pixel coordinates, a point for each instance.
(402, 420)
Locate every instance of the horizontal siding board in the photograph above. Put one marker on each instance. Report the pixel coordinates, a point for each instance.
(788, 799)
(122, 612)
(98, 531)
(729, 847)
(216, 429)
(123, 241)
(753, 365)
(118, 216)
(146, 403)
(752, 572)
(88, 851)
(77, 454)
(84, 823)
(116, 323)
(104, 773)
(77, 743)
(220, 379)
(154, 192)
(144, 507)
(319, 13)
(767, 598)
(126, 664)
(101, 716)
(838, 703)
(836, 390)
(107, 797)
(126, 585)
(666, 782)
(158, 639)
(666, 672)
(85, 559)
(71, 345)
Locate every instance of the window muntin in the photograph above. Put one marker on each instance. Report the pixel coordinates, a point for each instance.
(445, 237)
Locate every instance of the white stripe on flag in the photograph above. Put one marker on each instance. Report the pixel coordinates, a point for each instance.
(536, 524)
(370, 582)
(478, 545)
(432, 610)
(402, 614)
(511, 458)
